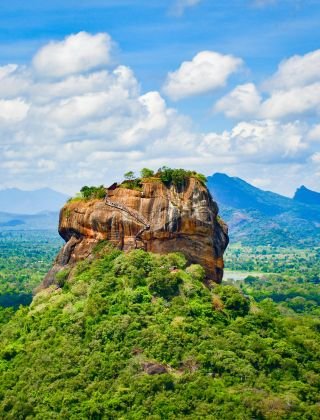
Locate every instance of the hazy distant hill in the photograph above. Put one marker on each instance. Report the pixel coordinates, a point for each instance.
(42, 221)
(304, 195)
(13, 200)
(262, 217)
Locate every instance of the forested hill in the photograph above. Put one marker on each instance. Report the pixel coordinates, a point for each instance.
(138, 335)
(262, 217)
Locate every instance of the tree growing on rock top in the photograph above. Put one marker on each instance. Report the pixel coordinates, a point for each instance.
(129, 176)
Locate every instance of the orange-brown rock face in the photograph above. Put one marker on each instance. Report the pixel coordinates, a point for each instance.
(159, 219)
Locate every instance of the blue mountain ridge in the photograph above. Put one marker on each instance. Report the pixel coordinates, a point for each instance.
(257, 217)
(306, 196)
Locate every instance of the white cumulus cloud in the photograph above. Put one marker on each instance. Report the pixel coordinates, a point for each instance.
(269, 139)
(75, 54)
(293, 91)
(244, 100)
(299, 70)
(295, 101)
(207, 71)
(13, 110)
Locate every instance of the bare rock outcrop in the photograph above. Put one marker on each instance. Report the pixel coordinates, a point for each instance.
(158, 218)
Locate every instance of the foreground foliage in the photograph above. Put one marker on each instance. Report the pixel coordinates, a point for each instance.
(81, 351)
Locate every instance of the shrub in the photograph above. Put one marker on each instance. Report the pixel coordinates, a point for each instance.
(164, 284)
(146, 173)
(89, 193)
(178, 177)
(197, 272)
(129, 176)
(103, 247)
(176, 259)
(233, 300)
(134, 184)
(61, 277)
(202, 178)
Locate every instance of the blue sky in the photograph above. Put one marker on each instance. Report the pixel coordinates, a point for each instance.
(152, 39)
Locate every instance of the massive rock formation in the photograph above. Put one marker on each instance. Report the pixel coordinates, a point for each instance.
(159, 219)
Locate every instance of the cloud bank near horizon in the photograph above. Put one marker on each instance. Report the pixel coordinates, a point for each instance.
(73, 117)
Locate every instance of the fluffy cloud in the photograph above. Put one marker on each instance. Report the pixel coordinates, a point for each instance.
(207, 71)
(267, 141)
(244, 100)
(294, 90)
(75, 54)
(295, 101)
(297, 71)
(91, 126)
(13, 110)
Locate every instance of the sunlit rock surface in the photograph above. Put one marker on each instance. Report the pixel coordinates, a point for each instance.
(159, 219)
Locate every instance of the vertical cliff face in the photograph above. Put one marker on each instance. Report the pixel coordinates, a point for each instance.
(159, 219)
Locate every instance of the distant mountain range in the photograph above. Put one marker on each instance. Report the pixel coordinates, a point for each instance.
(257, 217)
(13, 200)
(306, 196)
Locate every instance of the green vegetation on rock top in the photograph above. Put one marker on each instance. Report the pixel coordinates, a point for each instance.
(168, 176)
(89, 193)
